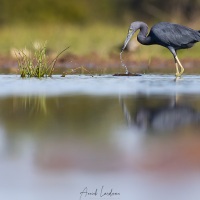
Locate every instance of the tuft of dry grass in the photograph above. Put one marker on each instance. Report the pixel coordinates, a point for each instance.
(36, 64)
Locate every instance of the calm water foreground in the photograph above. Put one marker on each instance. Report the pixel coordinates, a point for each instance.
(101, 137)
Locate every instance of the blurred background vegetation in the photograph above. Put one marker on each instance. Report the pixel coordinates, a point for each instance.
(90, 11)
(86, 25)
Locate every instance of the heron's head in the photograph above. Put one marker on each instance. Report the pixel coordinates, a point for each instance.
(132, 29)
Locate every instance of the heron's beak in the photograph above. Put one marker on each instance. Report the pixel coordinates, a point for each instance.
(129, 36)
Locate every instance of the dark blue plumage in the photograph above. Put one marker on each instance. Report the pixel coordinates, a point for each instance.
(174, 35)
(171, 36)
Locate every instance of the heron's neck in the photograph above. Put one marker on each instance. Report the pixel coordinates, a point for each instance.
(142, 36)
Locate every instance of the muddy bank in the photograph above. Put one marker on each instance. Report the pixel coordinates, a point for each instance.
(105, 65)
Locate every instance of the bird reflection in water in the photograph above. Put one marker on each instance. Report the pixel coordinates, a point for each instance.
(169, 117)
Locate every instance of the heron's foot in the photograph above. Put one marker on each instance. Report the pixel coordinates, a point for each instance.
(178, 75)
(177, 78)
(182, 70)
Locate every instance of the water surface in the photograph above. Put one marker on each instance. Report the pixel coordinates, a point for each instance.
(129, 134)
(107, 85)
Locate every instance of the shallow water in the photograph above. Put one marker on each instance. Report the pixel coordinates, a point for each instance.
(107, 85)
(129, 134)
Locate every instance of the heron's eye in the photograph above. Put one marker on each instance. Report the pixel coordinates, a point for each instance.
(130, 30)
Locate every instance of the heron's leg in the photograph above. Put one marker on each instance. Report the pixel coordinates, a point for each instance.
(177, 71)
(182, 69)
(173, 51)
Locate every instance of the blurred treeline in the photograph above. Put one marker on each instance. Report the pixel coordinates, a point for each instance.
(90, 11)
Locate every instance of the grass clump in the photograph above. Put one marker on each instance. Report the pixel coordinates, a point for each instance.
(36, 64)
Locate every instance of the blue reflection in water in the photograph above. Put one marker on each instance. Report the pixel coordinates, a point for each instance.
(167, 115)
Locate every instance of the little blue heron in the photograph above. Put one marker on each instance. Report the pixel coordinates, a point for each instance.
(171, 36)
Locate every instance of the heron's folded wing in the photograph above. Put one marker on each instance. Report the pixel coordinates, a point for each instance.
(174, 35)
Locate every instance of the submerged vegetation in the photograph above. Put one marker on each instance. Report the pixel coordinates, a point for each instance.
(36, 64)
(81, 70)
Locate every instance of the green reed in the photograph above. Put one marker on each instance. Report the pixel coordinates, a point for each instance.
(36, 63)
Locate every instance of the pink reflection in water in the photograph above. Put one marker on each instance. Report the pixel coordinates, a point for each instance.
(61, 169)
